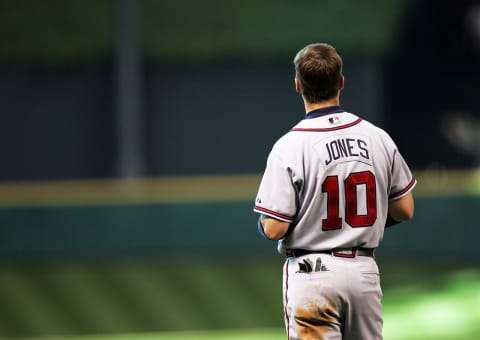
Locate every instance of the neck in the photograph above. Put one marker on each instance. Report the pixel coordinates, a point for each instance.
(315, 106)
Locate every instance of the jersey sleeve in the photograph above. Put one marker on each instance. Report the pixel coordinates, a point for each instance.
(402, 179)
(276, 195)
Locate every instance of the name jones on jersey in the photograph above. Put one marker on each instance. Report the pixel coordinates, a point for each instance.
(351, 148)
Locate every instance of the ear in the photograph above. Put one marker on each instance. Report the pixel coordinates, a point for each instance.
(297, 85)
(341, 83)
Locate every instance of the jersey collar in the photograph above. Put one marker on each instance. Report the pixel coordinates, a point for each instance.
(323, 112)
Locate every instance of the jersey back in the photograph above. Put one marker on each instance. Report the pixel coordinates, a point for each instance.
(331, 177)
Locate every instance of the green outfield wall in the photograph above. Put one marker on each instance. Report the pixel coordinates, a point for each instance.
(442, 227)
(199, 215)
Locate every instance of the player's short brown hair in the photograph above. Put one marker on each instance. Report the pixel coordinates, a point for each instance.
(318, 68)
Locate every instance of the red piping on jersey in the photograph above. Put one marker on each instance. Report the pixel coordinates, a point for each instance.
(328, 129)
(273, 213)
(400, 193)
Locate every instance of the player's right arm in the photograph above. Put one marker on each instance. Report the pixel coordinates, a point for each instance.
(276, 200)
(273, 229)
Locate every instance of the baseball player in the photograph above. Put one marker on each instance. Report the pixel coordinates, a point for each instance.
(330, 187)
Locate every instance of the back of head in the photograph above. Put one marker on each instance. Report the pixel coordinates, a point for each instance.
(318, 68)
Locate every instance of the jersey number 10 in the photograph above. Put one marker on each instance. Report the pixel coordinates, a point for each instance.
(351, 183)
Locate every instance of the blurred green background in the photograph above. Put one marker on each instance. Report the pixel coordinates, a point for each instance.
(133, 138)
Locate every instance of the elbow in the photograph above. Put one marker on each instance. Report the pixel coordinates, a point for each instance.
(405, 215)
(408, 213)
(272, 234)
(408, 216)
(274, 229)
(401, 215)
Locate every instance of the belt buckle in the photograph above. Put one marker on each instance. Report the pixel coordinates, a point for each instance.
(346, 253)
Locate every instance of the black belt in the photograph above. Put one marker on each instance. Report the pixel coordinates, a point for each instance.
(339, 252)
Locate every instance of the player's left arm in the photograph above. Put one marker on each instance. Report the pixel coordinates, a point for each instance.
(400, 203)
(400, 210)
(272, 228)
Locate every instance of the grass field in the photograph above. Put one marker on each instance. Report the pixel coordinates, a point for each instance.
(213, 300)
(252, 334)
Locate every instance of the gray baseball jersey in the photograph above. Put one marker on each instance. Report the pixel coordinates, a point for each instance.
(331, 177)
